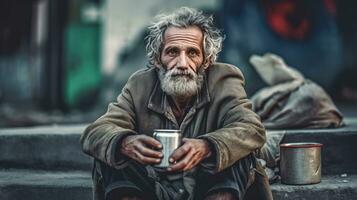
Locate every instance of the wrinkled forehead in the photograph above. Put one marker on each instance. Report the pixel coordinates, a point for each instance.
(191, 35)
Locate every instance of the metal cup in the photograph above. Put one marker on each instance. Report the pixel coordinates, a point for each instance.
(170, 140)
(300, 163)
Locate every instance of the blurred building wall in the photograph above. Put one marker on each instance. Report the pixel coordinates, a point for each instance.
(316, 51)
(49, 53)
(22, 44)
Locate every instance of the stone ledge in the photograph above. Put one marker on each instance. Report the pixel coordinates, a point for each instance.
(332, 187)
(57, 147)
(43, 147)
(339, 145)
(39, 185)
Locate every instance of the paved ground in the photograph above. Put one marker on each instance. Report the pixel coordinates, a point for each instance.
(56, 185)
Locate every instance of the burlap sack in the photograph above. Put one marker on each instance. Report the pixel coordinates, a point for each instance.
(290, 100)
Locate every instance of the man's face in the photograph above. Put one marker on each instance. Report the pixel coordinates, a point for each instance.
(183, 48)
(182, 59)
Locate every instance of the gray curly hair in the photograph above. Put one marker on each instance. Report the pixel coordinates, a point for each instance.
(183, 18)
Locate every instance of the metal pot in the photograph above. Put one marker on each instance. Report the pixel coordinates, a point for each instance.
(300, 163)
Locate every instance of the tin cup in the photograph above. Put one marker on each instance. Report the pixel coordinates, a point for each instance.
(170, 140)
(300, 163)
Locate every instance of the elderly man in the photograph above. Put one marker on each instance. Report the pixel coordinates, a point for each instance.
(182, 88)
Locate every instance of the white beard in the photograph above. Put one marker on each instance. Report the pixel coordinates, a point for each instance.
(181, 84)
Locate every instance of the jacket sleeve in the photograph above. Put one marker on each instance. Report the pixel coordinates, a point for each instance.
(241, 131)
(101, 139)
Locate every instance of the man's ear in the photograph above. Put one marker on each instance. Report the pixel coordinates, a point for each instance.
(207, 62)
(157, 63)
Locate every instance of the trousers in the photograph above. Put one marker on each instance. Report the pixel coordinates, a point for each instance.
(241, 179)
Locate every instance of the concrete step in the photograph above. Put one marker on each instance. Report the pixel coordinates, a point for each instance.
(45, 185)
(332, 187)
(58, 185)
(57, 147)
(339, 145)
(43, 147)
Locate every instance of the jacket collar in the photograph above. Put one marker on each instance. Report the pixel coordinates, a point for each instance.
(158, 98)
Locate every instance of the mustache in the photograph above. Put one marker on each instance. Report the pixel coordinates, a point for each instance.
(176, 72)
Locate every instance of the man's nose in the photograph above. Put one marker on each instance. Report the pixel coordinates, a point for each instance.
(182, 61)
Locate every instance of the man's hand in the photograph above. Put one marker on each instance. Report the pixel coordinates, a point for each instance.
(139, 148)
(191, 153)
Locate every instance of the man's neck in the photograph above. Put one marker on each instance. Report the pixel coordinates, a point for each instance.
(180, 107)
(181, 103)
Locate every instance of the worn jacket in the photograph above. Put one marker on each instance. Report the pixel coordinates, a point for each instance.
(222, 114)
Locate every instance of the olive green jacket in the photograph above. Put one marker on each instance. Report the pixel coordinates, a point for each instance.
(221, 114)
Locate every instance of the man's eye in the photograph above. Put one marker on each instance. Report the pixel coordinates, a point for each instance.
(192, 53)
(172, 52)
